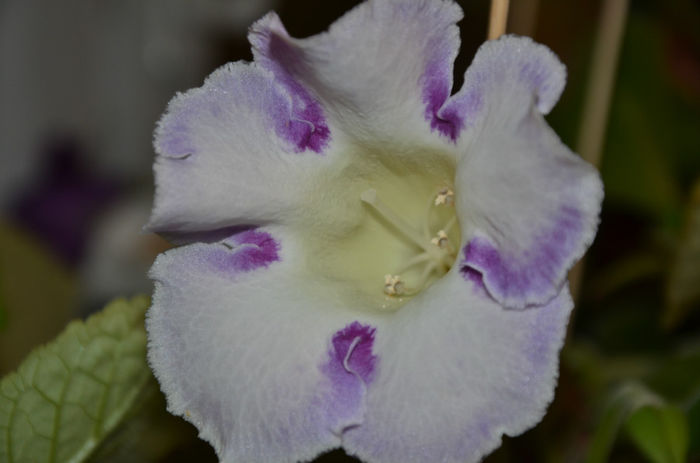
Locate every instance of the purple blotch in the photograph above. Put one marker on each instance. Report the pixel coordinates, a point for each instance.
(351, 347)
(289, 109)
(437, 82)
(307, 127)
(354, 342)
(349, 367)
(245, 251)
(447, 116)
(62, 205)
(530, 276)
(457, 113)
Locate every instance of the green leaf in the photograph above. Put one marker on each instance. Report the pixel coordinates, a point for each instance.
(660, 433)
(623, 401)
(68, 395)
(659, 430)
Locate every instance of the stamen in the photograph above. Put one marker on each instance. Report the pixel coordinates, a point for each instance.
(425, 275)
(437, 254)
(441, 240)
(393, 285)
(445, 196)
(370, 197)
(422, 257)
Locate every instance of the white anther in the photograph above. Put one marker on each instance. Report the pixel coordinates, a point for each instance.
(445, 196)
(441, 240)
(393, 285)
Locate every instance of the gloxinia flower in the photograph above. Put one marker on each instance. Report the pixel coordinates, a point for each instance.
(374, 263)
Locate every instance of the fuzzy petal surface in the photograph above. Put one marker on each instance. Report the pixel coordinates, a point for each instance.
(529, 206)
(457, 372)
(382, 70)
(253, 354)
(229, 154)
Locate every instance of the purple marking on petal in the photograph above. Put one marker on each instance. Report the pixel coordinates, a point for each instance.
(349, 367)
(538, 77)
(245, 251)
(437, 80)
(447, 116)
(174, 138)
(307, 128)
(294, 117)
(354, 344)
(436, 88)
(535, 271)
(457, 113)
(476, 278)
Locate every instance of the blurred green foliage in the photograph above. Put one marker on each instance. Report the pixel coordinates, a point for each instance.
(660, 433)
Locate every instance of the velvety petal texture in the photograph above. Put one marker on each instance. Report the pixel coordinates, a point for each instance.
(531, 205)
(252, 353)
(327, 161)
(217, 142)
(384, 61)
(458, 371)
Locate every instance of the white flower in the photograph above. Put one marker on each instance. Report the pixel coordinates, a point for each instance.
(374, 264)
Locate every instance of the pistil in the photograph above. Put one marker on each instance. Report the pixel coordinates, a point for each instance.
(370, 197)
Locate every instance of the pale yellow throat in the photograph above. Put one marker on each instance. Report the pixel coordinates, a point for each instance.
(390, 232)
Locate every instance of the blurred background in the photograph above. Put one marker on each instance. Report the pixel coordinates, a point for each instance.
(82, 84)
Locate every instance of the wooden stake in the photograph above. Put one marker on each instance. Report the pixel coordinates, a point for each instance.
(601, 80)
(498, 19)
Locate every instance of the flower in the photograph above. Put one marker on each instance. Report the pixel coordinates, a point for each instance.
(373, 263)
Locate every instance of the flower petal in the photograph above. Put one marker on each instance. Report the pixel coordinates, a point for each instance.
(457, 372)
(253, 353)
(382, 70)
(528, 206)
(216, 142)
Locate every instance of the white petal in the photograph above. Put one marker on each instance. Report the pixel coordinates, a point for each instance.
(254, 354)
(457, 371)
(382, 70)
(528, 206)
(231, 152)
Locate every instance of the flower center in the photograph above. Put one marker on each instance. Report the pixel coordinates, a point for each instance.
(383, 228)
(433, 255)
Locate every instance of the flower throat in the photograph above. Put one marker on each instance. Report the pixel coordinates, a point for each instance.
(435, 253)
(385, 229)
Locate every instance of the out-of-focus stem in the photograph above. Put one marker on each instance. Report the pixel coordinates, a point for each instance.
(601, 80)
(597, 102)
(498, 18)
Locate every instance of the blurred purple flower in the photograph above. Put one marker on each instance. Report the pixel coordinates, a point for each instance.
(62, 205)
